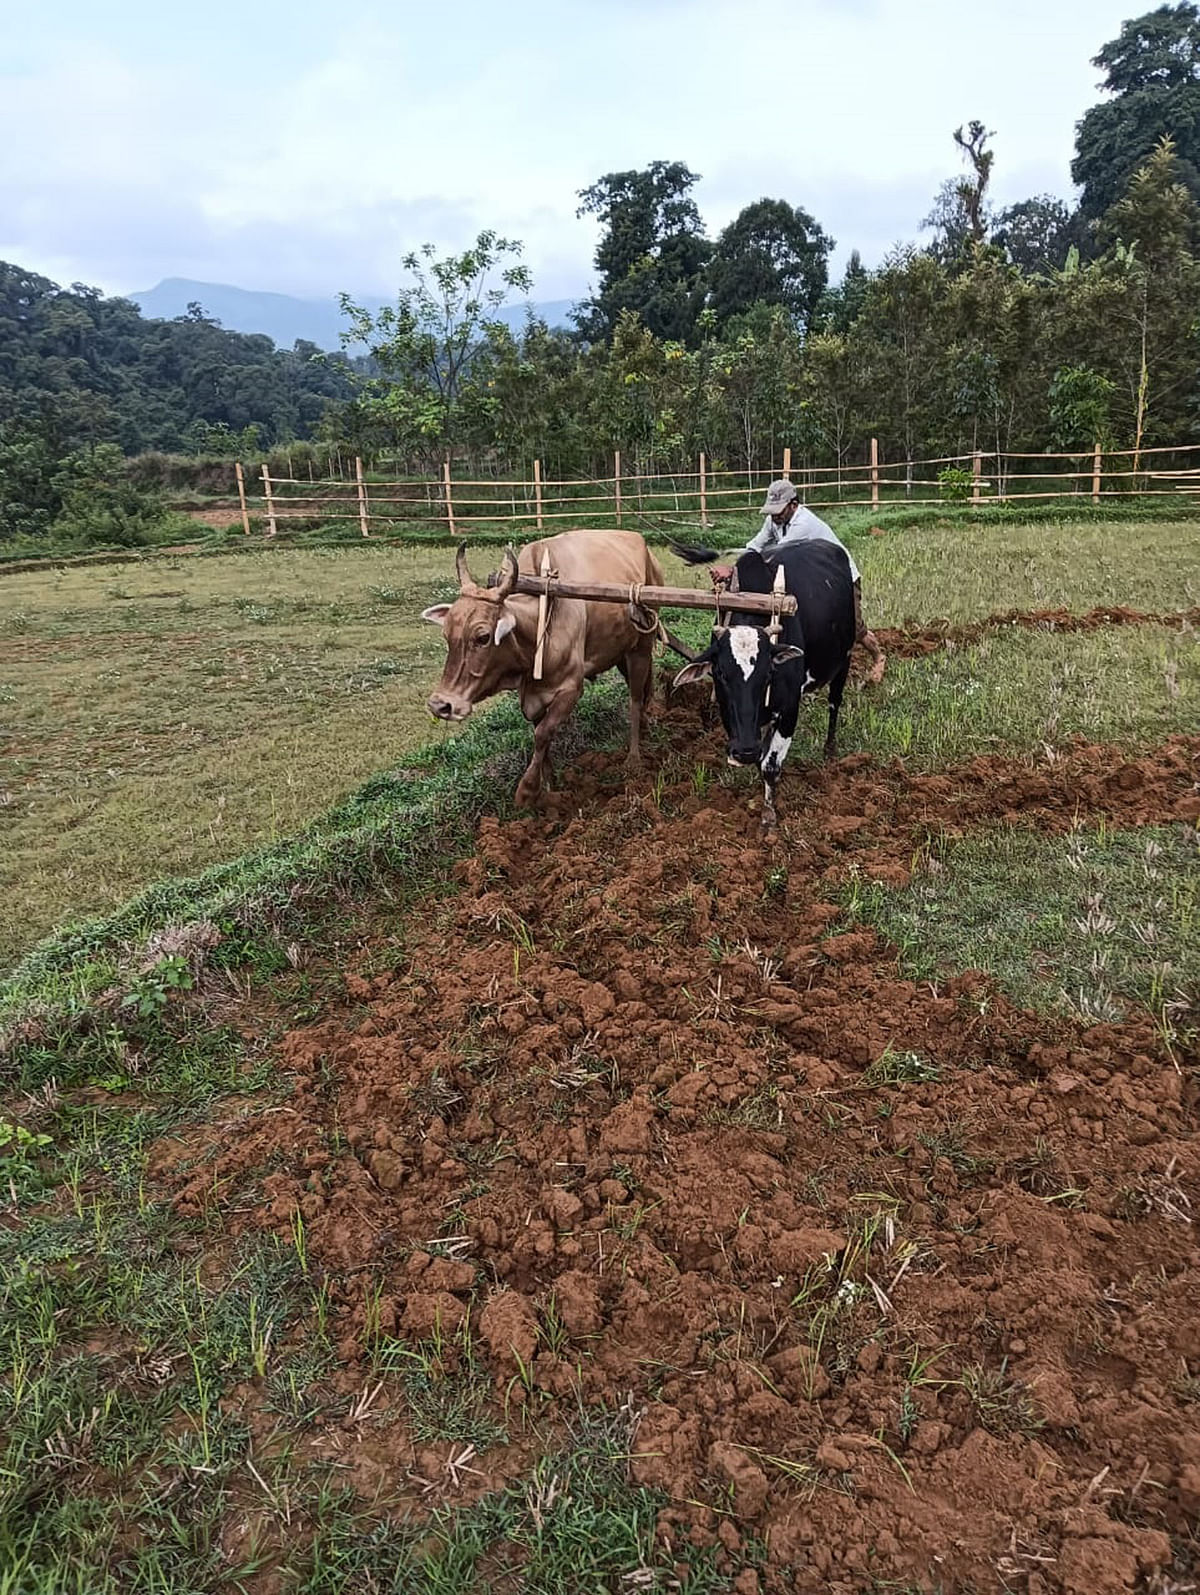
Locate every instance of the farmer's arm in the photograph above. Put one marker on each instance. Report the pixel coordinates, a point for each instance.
(761, 541)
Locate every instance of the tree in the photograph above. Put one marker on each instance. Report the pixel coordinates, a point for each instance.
(423, 346)
(903, 335)
(757, 373)
(1035, 234)
(651, 255)
(840, 307)
(79, 371)
(527, 398)
(960, 217)
(1079, 408)
(973, 190)
(1156, 227)
(832, 395)
(1152, 71)
(993, 355)
(771, 253)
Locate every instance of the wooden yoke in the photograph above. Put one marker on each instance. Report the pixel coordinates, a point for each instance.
(654, 597)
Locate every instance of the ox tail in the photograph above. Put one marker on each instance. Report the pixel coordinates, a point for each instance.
(694, 556)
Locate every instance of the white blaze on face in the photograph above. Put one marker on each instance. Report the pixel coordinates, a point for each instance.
(744, 640)
(777, 752)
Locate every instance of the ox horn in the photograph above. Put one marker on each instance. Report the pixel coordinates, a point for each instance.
(508, 576)
(465, 580)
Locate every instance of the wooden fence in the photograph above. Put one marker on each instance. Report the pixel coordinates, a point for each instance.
(694, 499)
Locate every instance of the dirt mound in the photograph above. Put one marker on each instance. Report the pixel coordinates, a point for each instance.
(904, 1279)
(913, 642)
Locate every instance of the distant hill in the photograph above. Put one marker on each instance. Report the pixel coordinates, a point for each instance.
(285, 318)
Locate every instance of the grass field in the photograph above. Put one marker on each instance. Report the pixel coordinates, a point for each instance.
(160, 717)
(199, 1391)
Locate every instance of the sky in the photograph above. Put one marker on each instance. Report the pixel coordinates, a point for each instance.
(305, 149)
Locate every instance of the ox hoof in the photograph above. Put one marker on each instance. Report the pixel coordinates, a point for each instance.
(527, 796)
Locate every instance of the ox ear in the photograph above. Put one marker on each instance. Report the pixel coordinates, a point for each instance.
(782, 656)
(436, 614)
(504, 625)
(696, 671)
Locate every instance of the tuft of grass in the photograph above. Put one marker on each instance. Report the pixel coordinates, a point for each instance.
(896, 1067)
(1003, 1405)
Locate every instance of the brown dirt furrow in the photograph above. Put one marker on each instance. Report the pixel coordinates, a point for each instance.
(911, 642)
(616, 1109)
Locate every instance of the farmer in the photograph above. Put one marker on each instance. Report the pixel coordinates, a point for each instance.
(788, 522)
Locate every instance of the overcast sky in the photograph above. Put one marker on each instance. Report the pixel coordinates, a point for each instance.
(284, 145)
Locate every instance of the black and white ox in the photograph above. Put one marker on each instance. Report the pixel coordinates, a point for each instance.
(759, 680)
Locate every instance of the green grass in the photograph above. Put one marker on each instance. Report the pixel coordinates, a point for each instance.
(1023, 691)
(1090, 923)
(162, 717)
(939, 568)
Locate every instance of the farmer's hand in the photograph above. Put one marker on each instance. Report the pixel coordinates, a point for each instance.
(721, 574)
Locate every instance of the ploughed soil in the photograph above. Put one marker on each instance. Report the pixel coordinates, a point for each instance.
(914, 641)
(618, 1109)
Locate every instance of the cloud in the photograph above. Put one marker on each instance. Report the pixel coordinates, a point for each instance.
(279, 148)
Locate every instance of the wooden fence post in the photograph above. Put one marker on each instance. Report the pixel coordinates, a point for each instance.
(537, 491)
(617, 482)
(874, 473)
(241, 482)
(703, 496)
(362, 497)
(1096, 475)
(976, 475)
(449, 500)
(787, 462)
(266, 475)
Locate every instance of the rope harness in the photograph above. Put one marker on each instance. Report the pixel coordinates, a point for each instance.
(645, 621)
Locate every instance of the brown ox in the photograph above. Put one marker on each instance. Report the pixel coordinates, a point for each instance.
(491, 638)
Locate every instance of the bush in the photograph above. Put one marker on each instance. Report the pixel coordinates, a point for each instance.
(955, 484)
(100, 504)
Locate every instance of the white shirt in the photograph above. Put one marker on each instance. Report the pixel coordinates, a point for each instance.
(804, 527)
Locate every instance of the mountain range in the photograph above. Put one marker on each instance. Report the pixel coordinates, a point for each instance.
(285, 318)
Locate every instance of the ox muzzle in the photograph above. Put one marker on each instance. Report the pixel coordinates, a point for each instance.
(452, 709)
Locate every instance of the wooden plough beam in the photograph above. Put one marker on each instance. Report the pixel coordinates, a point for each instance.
(657, 597)
(647, 600)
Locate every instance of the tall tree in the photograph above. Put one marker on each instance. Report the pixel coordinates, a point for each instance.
(1152, 71)
(651, 255)
(771, 253)
(973, 189)
(960, 217)
(1156, 227)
